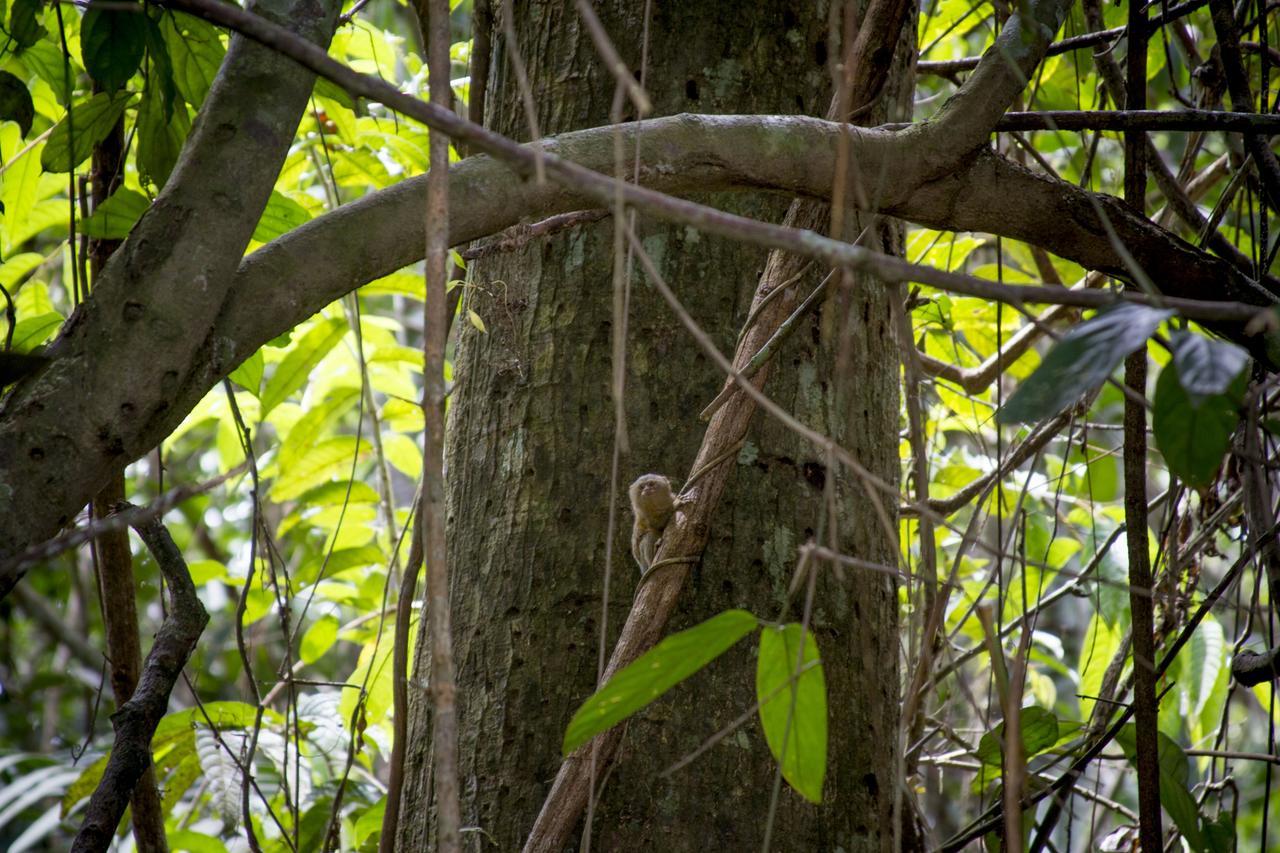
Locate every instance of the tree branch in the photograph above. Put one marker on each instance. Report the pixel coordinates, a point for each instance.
(136, 720)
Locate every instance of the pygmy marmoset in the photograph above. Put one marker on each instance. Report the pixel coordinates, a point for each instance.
(653, 504)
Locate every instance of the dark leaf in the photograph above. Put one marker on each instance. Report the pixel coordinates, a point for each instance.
(24, 22)
(15, 365)
(1174, 773)
(161, 73)
(1205, 365)
(160, 137)
(1193, 433)
(112, 42)
(15, 102)
(195, 51)
(1039, 729)
(1081, 361)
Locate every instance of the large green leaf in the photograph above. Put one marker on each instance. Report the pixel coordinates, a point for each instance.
(1039, 729)
(112, 42)
(654, 673)
(1192, 432)
(292, 372)
(161, 135)
(280, 215)
(90, 121)
(1081, 361)
(115, 217)
(793, 708)
(195, 52)
(1206, 366)
(1175, 771)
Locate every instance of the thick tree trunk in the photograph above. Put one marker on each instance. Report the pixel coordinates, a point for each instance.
(530, 441)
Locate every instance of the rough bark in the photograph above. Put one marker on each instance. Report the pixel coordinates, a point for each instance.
(531, 435)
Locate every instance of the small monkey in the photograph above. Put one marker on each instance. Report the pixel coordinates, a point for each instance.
(653, 503)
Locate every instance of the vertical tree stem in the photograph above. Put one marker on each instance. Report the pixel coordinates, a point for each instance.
(436, 326)
(1141, 603)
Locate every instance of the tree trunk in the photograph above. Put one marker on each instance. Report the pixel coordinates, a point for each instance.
(530, 442)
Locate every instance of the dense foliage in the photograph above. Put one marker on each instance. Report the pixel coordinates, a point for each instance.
(320, 432)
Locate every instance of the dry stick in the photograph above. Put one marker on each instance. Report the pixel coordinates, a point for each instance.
(518, 236)
(1113, 78)
(400, 687)
(1250, 668)
(137, 719)
(1145, 703)
(443, 687)
(1224, 26)
(991, 818)
(886, 268)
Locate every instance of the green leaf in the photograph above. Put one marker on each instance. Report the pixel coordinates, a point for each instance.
(328, 459)
(1220, 834)
(1174, 773)
(291, 373)
(92, 120)
(1206, 366)
(193, 842)
(1081, 361)
(161, 134)
(225, 715)
(24, 22)
(793, 708)
(1039, 728)
(1193, 434)
(112, 43)
(280, 215)
(31, 332)
(195, 51)
(15, 103)
(318, 639)
(84, 784)
(115, 217)
(249, 374)
(654, 673)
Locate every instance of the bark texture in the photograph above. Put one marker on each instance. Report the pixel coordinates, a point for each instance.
(531, 436)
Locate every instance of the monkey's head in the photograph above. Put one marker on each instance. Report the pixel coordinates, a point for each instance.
(651, 495)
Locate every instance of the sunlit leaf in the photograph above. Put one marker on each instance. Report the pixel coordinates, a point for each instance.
(292, 372)
(318, 639)
(115, 217)
(85, 126)
(792, 693)
(654, 673)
